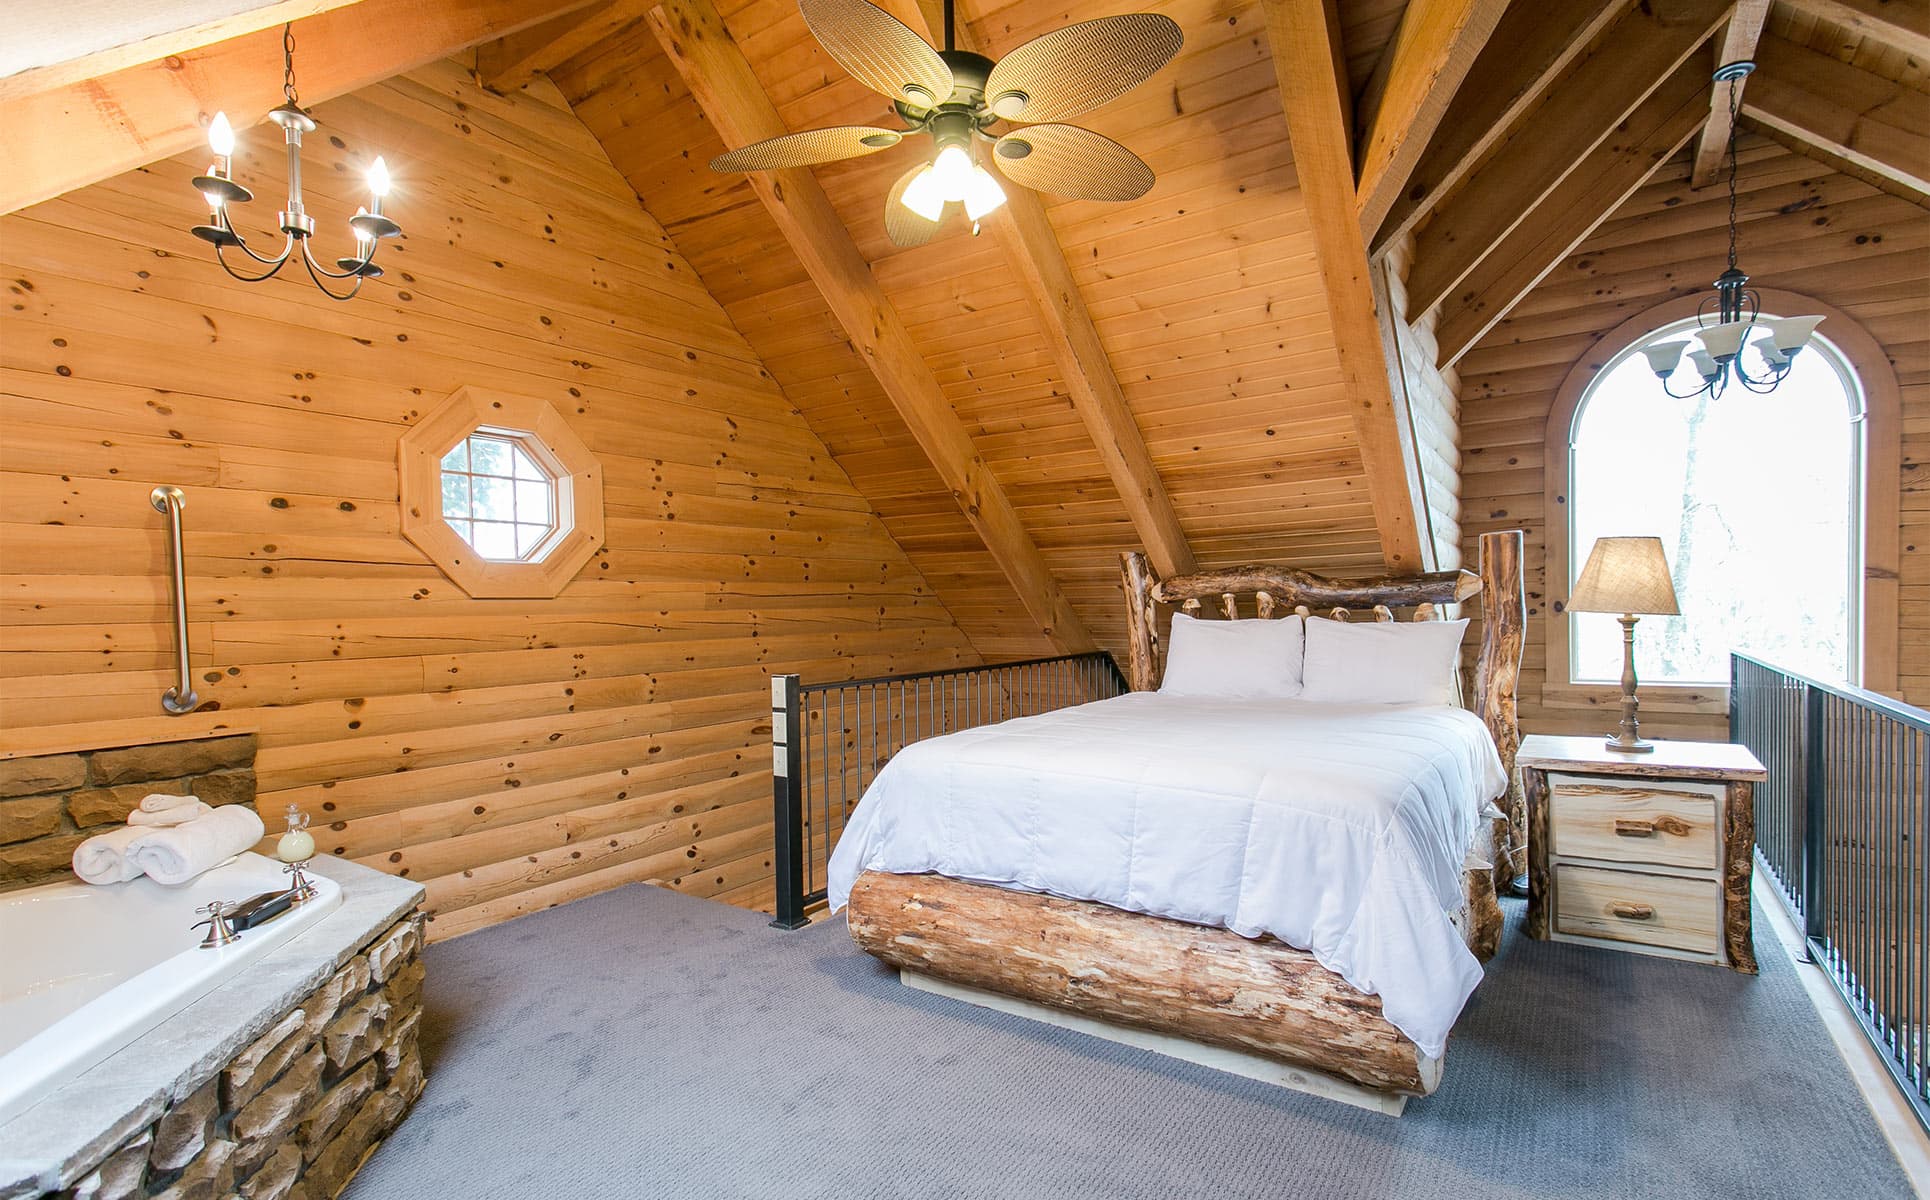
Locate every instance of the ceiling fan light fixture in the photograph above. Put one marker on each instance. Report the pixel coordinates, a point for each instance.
(952, 172)
(983, 195)
(924, 196)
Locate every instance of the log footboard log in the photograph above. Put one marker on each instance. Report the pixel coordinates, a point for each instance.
(1205, 985)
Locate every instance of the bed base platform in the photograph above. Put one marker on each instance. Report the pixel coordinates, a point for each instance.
(1257, 1008)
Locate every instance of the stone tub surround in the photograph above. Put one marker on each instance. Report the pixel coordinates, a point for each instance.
(51, 803)
(237, 1094)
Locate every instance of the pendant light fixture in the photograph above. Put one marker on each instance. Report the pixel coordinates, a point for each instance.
(1728, 319)
(220, 190)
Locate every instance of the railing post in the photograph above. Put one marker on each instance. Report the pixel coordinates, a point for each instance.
(1815, 780)
(787, 802)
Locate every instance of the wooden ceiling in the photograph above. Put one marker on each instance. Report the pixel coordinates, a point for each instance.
(1218, 370)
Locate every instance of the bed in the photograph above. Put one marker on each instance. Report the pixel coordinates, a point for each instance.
(1303, 892)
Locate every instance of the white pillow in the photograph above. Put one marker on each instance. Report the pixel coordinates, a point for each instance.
(1251, 659)
(1382, 662)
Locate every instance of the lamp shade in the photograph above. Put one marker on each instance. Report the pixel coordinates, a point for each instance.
(1625, 575)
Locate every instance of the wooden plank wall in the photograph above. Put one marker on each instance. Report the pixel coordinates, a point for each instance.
(509, 754)
(1806, 229)
(1432, 396)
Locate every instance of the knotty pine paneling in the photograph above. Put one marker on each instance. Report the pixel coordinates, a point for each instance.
(1205, 294)
(508, 754)
(1805, 228)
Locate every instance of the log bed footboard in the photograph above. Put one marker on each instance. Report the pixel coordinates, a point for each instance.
(1204, 985)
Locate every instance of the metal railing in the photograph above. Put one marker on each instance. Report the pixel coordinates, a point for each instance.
(829, 741)
(1842, 829)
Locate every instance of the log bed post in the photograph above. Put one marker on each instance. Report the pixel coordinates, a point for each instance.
(1497, 673)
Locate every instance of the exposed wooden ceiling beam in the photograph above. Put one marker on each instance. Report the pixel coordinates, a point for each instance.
(51, 45)
(1305, 38)
(1565, 218)
(1632, 60)
(507, 64)
(1738, 43)
(714, 68)
(1843, 111)
(1904, 24)
(1416, 78)
(1530, 49)
(1037, 259)
(59, 140)
(1836, 162)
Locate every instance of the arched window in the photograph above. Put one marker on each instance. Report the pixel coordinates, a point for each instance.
(1758, 500)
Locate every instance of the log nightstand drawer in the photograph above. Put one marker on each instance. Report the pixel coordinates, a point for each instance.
(1635, 821)
(1643, 852)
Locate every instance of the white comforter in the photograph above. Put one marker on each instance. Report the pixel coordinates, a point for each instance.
(1340, 829)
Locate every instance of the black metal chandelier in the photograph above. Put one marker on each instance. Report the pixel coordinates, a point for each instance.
(1727, 319)
(222, 192)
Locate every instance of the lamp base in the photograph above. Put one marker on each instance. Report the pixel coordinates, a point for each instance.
(1628, 746)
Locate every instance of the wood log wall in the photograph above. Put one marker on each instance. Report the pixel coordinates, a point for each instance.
(1805, 229)
(509, 754)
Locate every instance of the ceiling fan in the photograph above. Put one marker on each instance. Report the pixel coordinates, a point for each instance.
(957, 96)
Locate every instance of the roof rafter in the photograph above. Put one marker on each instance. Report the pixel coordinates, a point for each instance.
(1738, 43)
(1528, 51)
(1843, 112)
(1412, 85)
(1613, 171)
(699, 45)
(505, 65)
(51, 45)
(1038, 260)
(1904, 24)
(1632, 60)
(1305, 39)
(71, 136)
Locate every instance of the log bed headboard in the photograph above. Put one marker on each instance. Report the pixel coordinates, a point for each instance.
(1278, 591)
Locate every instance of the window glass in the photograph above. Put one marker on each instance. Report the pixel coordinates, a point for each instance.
(1757, 501)
(498, 497)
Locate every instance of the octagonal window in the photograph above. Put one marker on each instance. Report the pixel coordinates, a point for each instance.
(499, 495)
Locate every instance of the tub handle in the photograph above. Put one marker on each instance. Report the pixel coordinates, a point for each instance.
(179, 699)
(220, 932)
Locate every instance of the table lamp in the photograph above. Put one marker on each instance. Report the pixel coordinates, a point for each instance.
(1628, 576)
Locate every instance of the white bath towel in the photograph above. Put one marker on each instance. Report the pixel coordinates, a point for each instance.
(104, 858)
(177, 853)
(156, 802)
(180, 814)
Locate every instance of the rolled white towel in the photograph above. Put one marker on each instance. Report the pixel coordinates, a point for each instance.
(180, 814)
(162, 801)
(103, 858)
(177, 853)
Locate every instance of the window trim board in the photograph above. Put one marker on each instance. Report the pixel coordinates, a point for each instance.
(1882, 486)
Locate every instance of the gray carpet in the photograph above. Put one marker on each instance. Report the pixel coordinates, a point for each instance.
(645, 1044)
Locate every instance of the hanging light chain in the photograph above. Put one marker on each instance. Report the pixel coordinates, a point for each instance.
(1735, 111)
(288, 62)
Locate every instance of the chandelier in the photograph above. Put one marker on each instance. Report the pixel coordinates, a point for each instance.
(221, 192)
(1726, 320)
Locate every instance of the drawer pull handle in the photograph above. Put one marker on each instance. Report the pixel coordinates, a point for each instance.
(1631, 912)
(1649, 827)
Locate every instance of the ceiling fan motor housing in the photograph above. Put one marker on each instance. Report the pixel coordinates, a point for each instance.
(969, 72)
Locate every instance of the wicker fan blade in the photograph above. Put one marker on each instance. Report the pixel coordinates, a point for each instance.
(878, 50)
(903, 226)
(1069, 161)
(1068, 71)
(808, 148)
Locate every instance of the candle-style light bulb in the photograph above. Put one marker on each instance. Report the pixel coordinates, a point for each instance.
(378, 184)
(221, 136)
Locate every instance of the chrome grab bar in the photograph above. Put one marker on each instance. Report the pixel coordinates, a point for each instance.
(179, 699)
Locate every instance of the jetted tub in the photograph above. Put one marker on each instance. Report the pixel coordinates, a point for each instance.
(88, 969)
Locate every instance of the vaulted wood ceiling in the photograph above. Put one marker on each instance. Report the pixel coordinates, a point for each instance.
(1252, 362)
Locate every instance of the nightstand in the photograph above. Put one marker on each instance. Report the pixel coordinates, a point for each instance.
(1644, 852)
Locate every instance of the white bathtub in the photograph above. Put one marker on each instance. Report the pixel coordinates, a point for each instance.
(86, 970)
